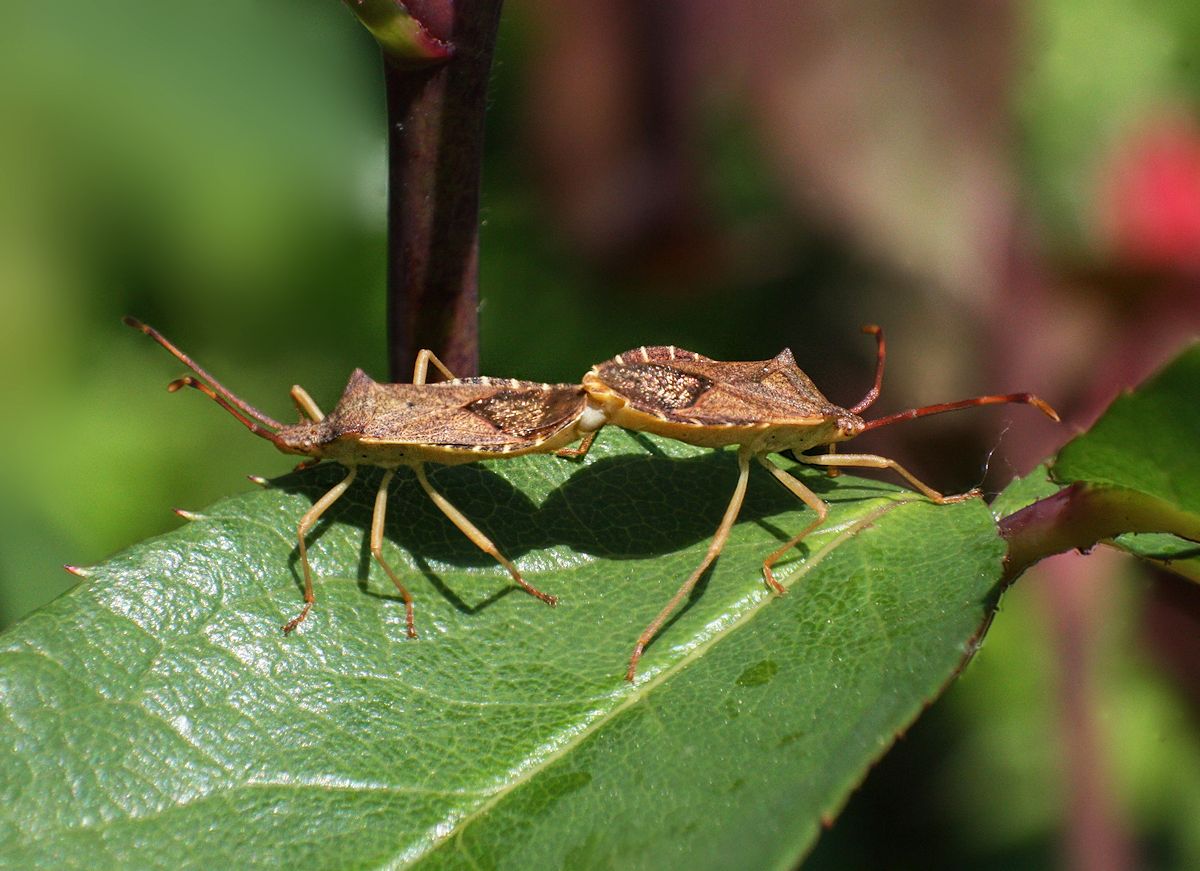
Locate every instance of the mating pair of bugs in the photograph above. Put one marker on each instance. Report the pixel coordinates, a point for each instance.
(761, 407)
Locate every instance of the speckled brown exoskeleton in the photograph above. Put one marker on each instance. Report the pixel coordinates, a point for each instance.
(762, 407)
(460, 420)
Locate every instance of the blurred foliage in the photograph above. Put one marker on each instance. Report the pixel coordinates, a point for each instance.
(217, 170)
(1097, 73)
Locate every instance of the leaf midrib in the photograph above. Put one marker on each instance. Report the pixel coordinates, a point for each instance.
(747, 608)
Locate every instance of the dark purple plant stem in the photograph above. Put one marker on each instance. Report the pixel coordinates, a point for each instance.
(435, 159)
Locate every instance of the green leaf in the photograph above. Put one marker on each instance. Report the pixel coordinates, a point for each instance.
(1170, 551)
(1146, 440)
(1145, 444)
(1024, 491)
(155, 716)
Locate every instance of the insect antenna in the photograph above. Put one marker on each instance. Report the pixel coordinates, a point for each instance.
(998, 399)
(215, 386)
(256, 428)
(881, 352)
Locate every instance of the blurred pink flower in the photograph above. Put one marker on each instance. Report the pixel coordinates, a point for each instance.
(1153, 203)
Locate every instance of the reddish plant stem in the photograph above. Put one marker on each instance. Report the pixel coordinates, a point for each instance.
(1079, 516)
(435, 159)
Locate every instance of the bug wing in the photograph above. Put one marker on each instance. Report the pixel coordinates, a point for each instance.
(466, 413)
(693, 389)
(528, 413)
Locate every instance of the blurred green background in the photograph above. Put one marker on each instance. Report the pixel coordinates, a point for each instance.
(1011, 190)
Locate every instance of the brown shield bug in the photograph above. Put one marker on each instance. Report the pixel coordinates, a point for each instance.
(460, 420)
(762, 407)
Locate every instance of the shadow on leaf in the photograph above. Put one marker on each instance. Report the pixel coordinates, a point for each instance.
(617, 507)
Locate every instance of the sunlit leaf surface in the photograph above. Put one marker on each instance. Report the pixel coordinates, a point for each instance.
(156, 716)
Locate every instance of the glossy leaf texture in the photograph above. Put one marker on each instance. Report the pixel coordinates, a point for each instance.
(155, 716)
(1146, 443)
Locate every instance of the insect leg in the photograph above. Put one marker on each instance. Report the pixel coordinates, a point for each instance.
(581, 451)
(424, 358)
(480, 540)
(809, 498)
(870, 461)
(306, 523)
(833, 471)
(377, 548)
(305, 403)
(714, 549)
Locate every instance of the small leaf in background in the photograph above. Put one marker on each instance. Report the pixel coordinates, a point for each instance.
(156, 716)
(1172, 552)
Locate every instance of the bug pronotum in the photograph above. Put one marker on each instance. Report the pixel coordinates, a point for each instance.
(460, 420)
(762, 407)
